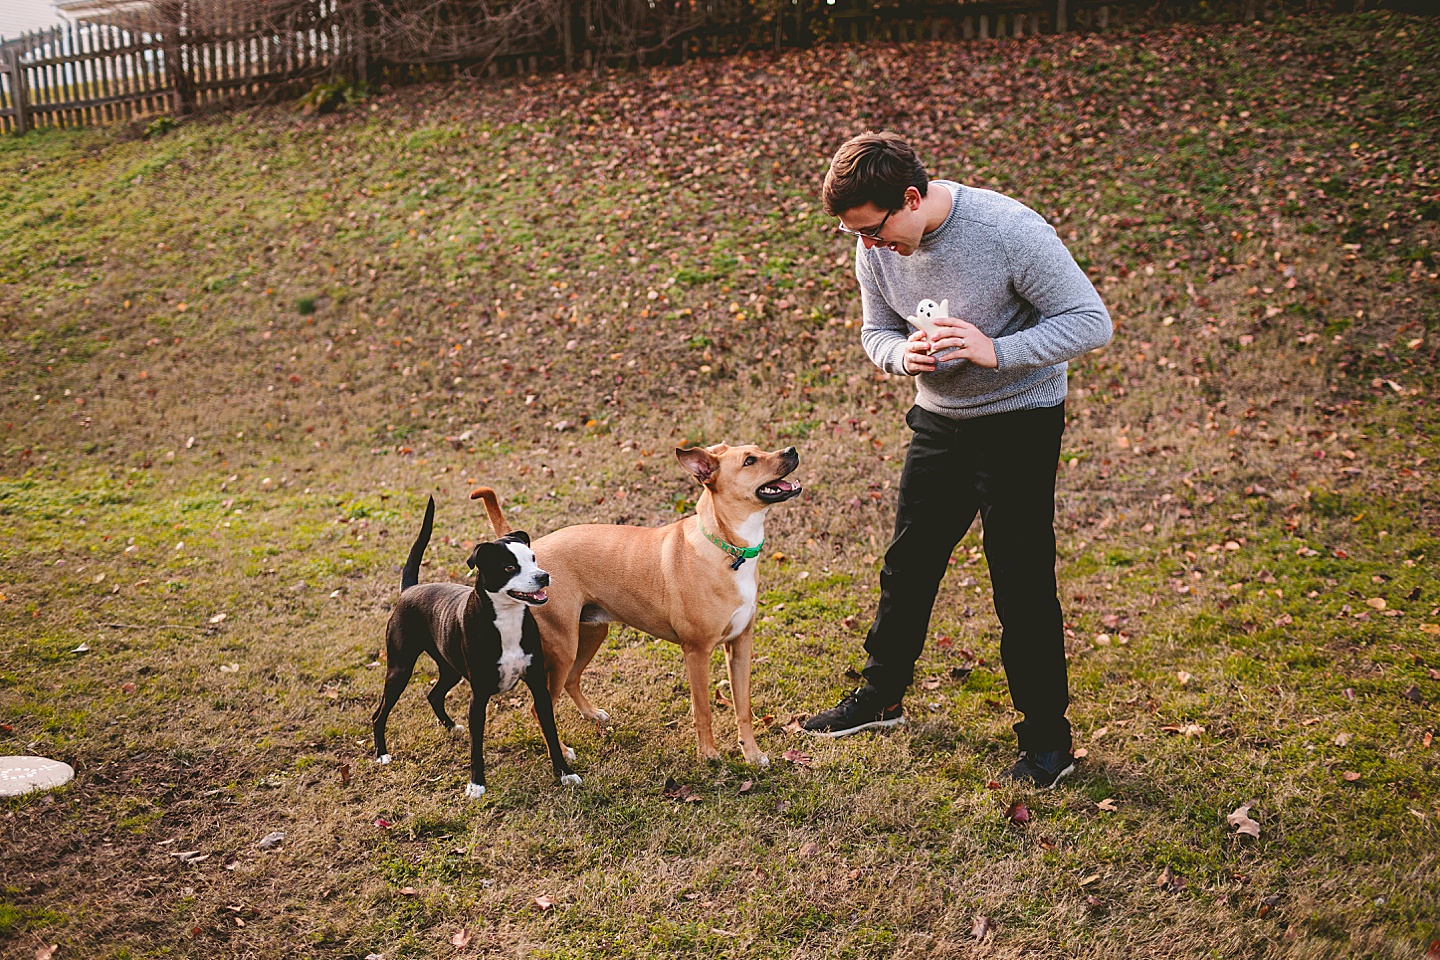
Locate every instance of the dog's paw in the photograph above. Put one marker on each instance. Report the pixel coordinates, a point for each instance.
(570, 754)
(600, 716)
(457, 731)
(761, 761)
(475, 790)
(383, 758)
(570, 780)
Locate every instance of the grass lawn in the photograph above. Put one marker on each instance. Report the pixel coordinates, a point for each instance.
(237, 358)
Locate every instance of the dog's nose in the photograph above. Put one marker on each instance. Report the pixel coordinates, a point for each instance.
(790, 453)
(544, 579)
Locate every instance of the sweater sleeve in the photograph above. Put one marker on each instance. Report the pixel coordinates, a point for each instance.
(1073, 319)
(883, 332)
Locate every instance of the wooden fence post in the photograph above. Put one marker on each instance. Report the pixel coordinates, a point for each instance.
(1060, 25)
(10, 63)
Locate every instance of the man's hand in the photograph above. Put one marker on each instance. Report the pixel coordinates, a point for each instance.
(917, 358)
(960, 340)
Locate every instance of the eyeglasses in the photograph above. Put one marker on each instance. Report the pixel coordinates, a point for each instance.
(866, 234)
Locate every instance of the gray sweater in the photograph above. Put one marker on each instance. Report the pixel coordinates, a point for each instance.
(1002, 268)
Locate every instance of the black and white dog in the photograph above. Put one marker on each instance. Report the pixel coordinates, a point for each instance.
(485, 635)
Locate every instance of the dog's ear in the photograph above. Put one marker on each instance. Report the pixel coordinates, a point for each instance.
(473, 560)
(699, 461)
(519, 535)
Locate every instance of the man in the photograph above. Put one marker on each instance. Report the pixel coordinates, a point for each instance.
(987, 420)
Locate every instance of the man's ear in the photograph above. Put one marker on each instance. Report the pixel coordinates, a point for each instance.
(519, 535)
(700, 462)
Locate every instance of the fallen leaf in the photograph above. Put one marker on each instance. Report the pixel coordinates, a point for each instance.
(930, 683)
(797, 758)
(1414, 694)
(1090, 879)
(1081, 753)
(1169, 880)
(407, 891)
(344, 774)
(271, 839)
(218, 618)
(746, 786)
(127, 688)
(1018, 813)
(1351, 775)
(44, 952)
(980, 928)
(809, 849)
(1240, 820)
(1341, 739)
(1108, 805)
(793, 724)
(544, 902)
(1183, 677)
(992, 785)
(1377, 602)
(461, 938)
(83, 648)
(382, 823)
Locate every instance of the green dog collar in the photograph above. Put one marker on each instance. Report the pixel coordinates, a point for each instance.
(741, 554)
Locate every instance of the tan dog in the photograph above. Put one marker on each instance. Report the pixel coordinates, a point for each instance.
(674, 582)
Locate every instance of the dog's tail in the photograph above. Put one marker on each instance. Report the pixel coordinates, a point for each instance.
(411, 574)
(492, 507)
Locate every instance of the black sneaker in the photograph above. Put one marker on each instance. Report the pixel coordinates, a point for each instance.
(865, 709)
(1043, 770)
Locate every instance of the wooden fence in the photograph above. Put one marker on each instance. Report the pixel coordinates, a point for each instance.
(202, 55)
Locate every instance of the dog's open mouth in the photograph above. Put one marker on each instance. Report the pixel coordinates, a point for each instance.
(778, 490)
(536, 598)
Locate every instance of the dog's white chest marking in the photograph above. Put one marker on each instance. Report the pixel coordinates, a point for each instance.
(509, 619)
(747, 578)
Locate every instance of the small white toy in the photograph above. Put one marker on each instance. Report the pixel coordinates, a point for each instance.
(926, 313)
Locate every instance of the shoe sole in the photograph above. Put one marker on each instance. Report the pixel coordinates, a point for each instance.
(1059, 776)
(872, 725)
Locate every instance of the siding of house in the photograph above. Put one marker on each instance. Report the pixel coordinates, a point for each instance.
(22, 16)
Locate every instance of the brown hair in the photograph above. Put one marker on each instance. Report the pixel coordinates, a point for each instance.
(873, 168)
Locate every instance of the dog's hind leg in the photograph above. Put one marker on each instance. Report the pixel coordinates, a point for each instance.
(449, 676)
(400, 663)
(591, 636)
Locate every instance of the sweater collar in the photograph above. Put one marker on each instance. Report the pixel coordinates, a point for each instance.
(951, 217)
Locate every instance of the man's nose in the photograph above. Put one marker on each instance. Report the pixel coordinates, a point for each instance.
(870, 242)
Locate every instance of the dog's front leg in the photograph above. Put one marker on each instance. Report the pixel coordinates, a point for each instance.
(538, 683)
(737, 658)
(697, 670)
(478, 703)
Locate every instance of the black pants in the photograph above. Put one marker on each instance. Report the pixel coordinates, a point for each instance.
(1002, 467)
